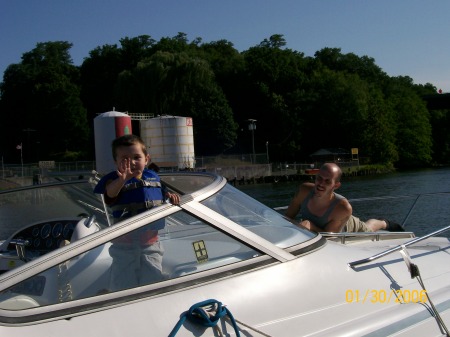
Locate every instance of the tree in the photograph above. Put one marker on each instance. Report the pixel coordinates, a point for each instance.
(43, 93)
(176, 44)
(133, 50)
(440, 124)
(364, 66)
(274, 81)
(99, 74)
(300, 103)
(413, 128)
(275, 41)
(378, 131)
(336, 108)
(181, 85)
(227, 65)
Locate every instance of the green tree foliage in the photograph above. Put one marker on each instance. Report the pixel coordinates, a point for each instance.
(274, 80)
(227, 65)
(378, 131)
(440, 124)
(364, 66)
(337, 116)
(98, 77)
(43, 92)
(301, 104)
(413, 128)
(397, 127)
(182, 85)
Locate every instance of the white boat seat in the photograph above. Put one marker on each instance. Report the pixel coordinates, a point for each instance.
(80, 231)
(18, 302)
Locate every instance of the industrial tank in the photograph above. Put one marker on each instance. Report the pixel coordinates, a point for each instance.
(170, 140)
(107, 127)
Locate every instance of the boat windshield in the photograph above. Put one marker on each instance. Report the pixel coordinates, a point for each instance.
(257, 217)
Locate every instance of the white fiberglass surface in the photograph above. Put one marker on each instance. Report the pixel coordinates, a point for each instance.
(257, 217)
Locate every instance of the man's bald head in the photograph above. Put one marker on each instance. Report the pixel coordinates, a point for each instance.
(333, 168)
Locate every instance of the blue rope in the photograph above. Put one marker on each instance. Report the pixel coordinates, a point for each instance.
(198, 315)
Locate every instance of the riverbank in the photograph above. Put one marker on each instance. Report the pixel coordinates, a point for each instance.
(309, 174)
(256, 174)
(8, 184)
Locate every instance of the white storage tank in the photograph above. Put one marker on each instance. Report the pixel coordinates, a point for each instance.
(107, 127)
(170, 140)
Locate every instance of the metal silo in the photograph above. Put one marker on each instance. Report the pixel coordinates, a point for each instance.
(107, 127)
(170, 140)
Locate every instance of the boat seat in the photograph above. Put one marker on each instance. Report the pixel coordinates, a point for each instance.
(18, 302)
(80, 231)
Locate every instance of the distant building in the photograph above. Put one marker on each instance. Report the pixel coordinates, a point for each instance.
(331, 155)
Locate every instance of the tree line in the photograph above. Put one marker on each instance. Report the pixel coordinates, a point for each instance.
(301, 104)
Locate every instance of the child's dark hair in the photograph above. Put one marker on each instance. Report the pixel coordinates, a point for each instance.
(127, 140)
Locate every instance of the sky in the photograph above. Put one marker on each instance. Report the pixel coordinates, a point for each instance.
(404, 37)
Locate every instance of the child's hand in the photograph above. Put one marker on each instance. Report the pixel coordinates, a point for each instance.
(124, 170)
(174, 198)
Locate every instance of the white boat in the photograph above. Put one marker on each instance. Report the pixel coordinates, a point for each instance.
(231, 266)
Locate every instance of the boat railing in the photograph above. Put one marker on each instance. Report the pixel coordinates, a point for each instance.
(345, 237)
(397, 248)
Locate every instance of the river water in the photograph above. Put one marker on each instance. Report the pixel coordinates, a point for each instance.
(420, 200)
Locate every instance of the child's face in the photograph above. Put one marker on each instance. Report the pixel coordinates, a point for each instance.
(136, 157)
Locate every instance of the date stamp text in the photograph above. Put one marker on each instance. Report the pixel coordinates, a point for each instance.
(386, 296)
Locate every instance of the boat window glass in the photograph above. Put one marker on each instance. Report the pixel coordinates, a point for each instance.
(186, 184)
(257, 217)
(24, 207)
(177, 245)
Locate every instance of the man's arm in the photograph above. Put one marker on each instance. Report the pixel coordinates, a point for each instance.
(296, 202)
(336, 226)
(309, 225)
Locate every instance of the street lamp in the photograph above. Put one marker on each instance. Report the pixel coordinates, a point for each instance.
(267, 151)
(252, 127)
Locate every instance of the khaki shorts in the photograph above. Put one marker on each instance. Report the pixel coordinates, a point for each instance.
(354, 224)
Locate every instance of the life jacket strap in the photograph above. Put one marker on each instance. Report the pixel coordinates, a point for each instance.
(134, 208)
(140, 184)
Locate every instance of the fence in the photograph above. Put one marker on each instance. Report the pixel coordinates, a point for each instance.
(29, 170)
(231, 166)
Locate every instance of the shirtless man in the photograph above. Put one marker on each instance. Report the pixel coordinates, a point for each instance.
(323, 210)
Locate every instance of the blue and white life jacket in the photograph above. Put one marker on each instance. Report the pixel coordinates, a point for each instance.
(137, 195)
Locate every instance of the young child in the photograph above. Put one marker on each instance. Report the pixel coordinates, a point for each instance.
(129, 190)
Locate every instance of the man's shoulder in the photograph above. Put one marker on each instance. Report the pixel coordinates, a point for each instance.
(307, 186)
(303, 190)
(344, 206)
